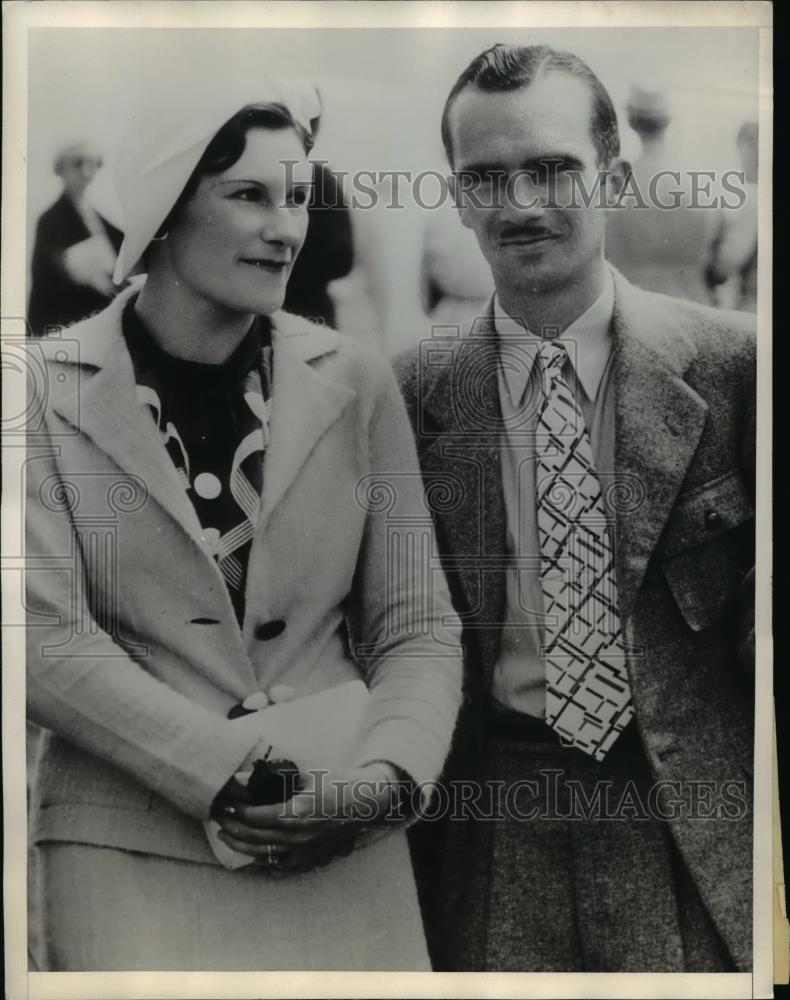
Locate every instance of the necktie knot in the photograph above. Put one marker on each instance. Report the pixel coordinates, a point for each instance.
(553, 356)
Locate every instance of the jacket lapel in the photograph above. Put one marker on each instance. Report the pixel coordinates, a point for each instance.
(659, 419)
(463, 404)
(106, 409)
(304, 404)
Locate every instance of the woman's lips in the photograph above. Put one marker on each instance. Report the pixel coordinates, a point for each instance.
(265, 264)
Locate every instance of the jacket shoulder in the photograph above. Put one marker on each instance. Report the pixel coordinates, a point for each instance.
(708, 346)
(718, 332)
(339, 356)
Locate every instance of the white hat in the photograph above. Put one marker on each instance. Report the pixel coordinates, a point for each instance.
(168, 134)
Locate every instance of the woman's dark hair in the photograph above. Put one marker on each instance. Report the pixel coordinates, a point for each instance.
(229, 143)
(511, 67)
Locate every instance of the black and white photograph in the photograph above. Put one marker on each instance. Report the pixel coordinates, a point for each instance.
(387, 499)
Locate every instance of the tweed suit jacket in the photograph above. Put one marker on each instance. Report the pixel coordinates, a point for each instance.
(134, 653)
(684, 469)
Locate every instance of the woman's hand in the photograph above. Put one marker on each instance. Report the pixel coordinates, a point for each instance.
(318, 823)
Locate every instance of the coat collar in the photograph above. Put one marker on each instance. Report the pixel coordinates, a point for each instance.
(97, 395)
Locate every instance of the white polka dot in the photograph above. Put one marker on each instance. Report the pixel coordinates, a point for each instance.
(210, 538)
(207, 486)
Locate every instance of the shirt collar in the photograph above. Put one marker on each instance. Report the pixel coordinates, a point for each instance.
(588, 339)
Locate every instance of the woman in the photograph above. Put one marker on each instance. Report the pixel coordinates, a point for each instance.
(209, 527)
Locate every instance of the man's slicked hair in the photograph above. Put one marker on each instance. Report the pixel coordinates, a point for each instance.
(511, 67)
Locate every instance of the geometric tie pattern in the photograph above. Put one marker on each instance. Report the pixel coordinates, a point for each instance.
(588, 697)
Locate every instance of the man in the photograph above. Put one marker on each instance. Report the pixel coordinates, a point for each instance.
(75, 248)
(589, 450)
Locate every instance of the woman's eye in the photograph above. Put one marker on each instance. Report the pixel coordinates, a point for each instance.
(247, 194)
(299, 197)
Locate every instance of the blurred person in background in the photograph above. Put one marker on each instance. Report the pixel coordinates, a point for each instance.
(732, 268)
(456, 279)
(75, 248)
(327, 253)
(658, 249)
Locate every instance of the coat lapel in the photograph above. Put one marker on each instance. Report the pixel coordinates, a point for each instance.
(106, 408)
(659, 419)
(305, 404)
(463, 404)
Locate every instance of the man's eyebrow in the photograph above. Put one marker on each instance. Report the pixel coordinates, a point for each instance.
(481, 169)
(568, 161)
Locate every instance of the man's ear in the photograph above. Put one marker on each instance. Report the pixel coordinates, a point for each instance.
(617, 175)
(459, 199)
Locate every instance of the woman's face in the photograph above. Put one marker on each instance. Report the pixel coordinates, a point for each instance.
(236, 239)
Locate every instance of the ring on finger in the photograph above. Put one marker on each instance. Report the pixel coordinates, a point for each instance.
(271, 856)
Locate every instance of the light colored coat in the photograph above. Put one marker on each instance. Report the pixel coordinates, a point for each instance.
(684, 451)
(134, 652)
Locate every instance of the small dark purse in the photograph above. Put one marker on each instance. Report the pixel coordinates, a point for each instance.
(272, 781)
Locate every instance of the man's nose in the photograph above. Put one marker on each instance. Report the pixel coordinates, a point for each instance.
(523, 199)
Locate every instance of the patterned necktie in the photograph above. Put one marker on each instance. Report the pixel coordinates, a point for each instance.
(588, 698)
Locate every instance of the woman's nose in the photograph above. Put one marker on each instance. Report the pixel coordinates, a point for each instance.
(283, 226)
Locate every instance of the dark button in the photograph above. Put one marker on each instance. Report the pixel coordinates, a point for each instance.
(239, 711)
(204, 621)
(664, 745)
(712, 520)
(270, 630)
(666, 751)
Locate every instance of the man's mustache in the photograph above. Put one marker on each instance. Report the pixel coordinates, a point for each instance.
(528, 232)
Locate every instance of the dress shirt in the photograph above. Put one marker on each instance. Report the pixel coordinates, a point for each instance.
(519, 674)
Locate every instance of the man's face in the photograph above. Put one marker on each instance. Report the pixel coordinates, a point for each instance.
(507, 138)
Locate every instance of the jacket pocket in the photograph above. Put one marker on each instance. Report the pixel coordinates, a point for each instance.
(708, 548)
